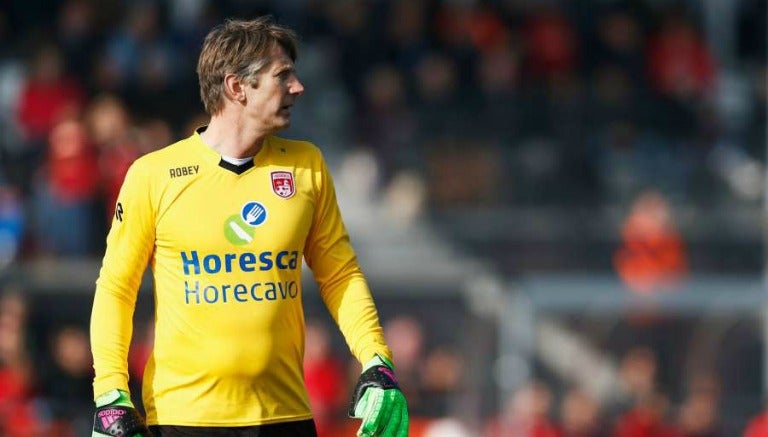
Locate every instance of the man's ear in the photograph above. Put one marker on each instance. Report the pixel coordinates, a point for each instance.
(233, 88)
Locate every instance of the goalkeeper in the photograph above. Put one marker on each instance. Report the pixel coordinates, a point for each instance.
(226, 218)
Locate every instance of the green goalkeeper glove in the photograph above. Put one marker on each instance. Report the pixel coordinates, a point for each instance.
(116, 416)
(379, 402)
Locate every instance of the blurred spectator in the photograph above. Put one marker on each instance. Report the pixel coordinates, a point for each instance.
(460, 168)
(652, 255)
(20, 415)
(67, 218)
(355, 27)
(67, 381)
(324, 377)
(466, 28)
(109, 127)
(441, 380)
(616, 67)
(680, 64)
(619, 44)
(12, 223)
(638, 374)
(612, 96)
(48, 96)
(140, 52)
(189, 21)
(405, 337)
(629, 159)
(152, 133)
(551, 51)
(438, 97)
(386, 124)
(498, 73)
(77, 32)
(757, 426)
(526, 414)
(141, 62)
(408, 32)
(498, 81)
(463, 172)
(580, 415)
(647, 418)
(699, 412)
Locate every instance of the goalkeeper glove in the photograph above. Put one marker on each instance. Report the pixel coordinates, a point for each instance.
(379, 402)
(116, 416)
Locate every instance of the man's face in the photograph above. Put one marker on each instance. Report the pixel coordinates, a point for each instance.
(270, 99)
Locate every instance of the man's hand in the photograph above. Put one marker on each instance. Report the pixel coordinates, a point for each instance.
(116, 416)
(379, 402)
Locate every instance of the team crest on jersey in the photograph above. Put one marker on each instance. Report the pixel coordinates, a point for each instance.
(283, 184)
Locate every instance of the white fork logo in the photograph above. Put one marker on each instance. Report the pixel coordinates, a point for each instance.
(254, 213)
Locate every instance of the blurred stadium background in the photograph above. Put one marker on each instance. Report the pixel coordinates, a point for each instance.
(559, 204)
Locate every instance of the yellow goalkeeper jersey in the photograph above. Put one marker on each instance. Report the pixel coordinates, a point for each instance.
(226, 245)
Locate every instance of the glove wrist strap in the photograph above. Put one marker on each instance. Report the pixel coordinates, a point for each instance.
(114, 397)
(378, 360)
(380, 376)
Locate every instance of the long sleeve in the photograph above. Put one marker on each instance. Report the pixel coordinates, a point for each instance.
(129, 245)
(342, 285)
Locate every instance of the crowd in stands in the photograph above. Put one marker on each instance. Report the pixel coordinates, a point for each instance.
(489, 103)
(46, 386)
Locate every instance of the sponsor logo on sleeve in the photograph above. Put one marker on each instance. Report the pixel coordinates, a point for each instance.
(119, 212)
(187, 170)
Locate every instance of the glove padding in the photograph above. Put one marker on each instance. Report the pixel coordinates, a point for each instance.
(119, 421)
(378, 401)
(116, 416)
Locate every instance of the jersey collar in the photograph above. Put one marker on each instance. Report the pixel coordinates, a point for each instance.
(212, 157)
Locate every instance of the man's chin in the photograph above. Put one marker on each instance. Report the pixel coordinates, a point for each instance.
(281, 124)
(284, 122)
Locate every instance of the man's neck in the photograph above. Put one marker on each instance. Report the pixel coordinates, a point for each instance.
(231, 138)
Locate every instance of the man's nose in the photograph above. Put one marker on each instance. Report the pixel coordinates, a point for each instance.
(296, 87)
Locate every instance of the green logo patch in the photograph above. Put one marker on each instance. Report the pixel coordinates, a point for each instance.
(237, 231)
